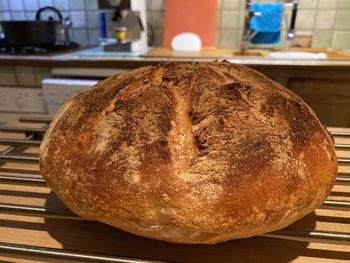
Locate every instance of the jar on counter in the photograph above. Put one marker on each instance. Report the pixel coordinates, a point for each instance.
(120, 34)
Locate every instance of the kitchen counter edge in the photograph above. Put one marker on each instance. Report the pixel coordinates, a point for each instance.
(72, 60)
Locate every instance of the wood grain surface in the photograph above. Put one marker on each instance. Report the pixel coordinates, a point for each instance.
(220, 53)
(204, 53)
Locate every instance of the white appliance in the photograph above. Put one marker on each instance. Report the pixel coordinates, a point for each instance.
(130, 15)
(57, 90)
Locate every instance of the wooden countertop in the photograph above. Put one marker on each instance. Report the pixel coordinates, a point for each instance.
(336, 60)
(231, 53)
(100, 238)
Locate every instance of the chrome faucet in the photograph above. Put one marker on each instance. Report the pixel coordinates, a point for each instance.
(291, 30)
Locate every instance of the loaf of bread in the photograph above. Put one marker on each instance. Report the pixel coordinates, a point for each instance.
(189, 153)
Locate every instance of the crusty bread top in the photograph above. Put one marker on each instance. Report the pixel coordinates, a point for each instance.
(214, 147)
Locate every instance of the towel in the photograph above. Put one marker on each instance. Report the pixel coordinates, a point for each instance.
(268, 24)
(266, 38)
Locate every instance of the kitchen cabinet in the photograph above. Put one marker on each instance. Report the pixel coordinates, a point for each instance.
(329, 98)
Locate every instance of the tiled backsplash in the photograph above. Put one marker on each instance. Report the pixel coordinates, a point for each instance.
(327, 20)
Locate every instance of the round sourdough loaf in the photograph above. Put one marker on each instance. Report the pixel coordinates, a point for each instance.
(189, 153)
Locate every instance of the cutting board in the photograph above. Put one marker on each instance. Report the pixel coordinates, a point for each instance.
(196, 16)
(204, 53)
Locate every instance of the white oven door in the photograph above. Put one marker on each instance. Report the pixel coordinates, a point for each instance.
(57, 90)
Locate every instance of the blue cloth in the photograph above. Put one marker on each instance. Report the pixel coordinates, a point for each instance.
(268, 24)
(266, 38)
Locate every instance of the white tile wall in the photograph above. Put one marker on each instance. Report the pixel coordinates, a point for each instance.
(81, 35)
(325, 19)
(16, 5)
(149, 5)
(4, 4)
(78, 19)
(30, 15)
(94, 34)
(322, 38)
(328, 4)
(6, 15)
(31, 5)
(93, 19)
(231, 4)
(343, 4)
(308, 4)
(241, 19)
(343, 20)
(77, 5)
(228, 38)
(341, 40)
(18, 15)
(61, 4)
(65, 14)
(157, 4)
(305, 19)
(91, 4)
(43, 3)
(157, 19)
(229, 19)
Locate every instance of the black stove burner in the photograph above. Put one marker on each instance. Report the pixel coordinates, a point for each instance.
(6, 48)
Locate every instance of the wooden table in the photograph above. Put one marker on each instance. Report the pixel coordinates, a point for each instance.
(93, 237)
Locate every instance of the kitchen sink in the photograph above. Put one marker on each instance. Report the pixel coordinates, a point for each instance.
(296, 55)
(308, 53)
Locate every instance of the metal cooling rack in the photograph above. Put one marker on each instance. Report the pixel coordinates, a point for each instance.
(33, 139)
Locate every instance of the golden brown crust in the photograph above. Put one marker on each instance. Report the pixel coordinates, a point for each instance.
(189, 153)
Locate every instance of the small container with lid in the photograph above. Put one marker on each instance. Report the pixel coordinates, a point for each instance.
(120, 34)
